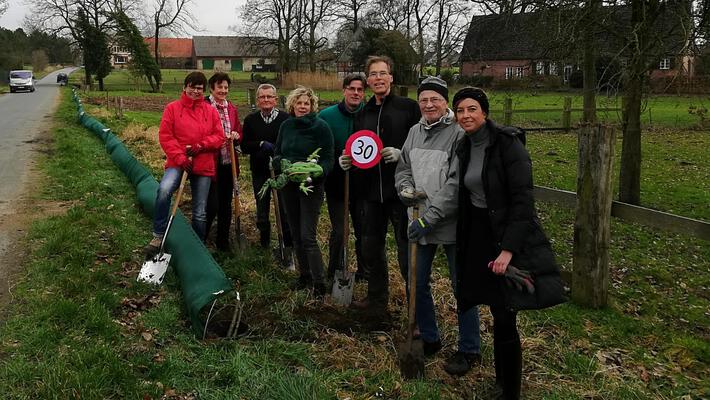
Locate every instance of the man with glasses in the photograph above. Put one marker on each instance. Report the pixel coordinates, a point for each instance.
(340, 119)
(429, 164)
(390, 117)
(190, 134)
(260, 131)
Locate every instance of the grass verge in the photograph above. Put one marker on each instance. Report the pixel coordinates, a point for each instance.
(80, 327)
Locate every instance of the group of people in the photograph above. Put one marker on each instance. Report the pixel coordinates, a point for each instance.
(469, 178)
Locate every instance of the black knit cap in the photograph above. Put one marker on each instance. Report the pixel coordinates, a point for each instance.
(436, 84)
(472, 93)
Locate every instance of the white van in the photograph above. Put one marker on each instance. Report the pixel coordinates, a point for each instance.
(22, 80)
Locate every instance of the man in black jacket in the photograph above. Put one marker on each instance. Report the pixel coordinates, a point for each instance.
(259, 135)
(390, 117)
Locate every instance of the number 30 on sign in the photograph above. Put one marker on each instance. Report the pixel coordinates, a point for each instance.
(364, 148)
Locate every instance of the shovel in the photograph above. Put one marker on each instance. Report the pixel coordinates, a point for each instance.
(411, 352)
(239, 236)
(153, 270)
(277, 215)
(344, 278)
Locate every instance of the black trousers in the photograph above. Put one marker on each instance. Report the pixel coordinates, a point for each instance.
(336, 209)
(302, 212)
(375, 222)
(219, 203)
(263, 208)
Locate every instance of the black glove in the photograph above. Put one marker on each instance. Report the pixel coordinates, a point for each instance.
(520, 279)
(187, 165)
(194, 150)
(267, 147)
(418, 229)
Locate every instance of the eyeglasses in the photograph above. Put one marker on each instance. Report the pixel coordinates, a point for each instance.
(266, 97)
(433, 100)
(355, 89)
(375, 74)
(196, 88)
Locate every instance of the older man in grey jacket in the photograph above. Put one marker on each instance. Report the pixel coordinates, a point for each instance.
(428, 164)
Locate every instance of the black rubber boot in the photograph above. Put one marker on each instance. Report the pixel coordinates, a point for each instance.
(509, 368)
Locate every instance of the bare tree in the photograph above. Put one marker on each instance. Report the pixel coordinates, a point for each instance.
(350, 11)
(173, 16)
(317, 13)
(451, 28)
(388, 14)
(3, 7)
(272, 18)
(422, 16)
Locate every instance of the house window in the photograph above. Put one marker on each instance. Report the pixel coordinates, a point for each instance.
(508, 72)
(540, 68)
(121, 59)
(553, 69)
(665, 63)
(519, 72)
(568, 72)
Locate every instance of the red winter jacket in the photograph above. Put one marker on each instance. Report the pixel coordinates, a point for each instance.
(191, 122)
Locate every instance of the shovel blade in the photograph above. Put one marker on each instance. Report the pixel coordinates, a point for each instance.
(153, 270)
(411, 359)
(343, 287)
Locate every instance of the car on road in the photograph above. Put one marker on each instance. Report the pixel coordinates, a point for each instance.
(22, 80)
(62, 79)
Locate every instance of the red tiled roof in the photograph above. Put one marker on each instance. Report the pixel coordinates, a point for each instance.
(172, 47)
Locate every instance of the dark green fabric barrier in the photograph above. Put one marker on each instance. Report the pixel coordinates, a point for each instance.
(201, 279)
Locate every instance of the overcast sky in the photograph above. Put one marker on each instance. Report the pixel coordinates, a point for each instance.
(214, 16)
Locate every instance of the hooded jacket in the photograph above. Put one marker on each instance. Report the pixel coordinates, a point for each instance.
(429, 163)
(391, 121)
(191, 122)
(508, 186)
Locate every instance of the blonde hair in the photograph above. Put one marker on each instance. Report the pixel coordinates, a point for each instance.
(298, 92)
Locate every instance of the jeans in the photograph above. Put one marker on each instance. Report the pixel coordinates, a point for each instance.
(469, 335)
(168, 185)
(263, 208)
(376, 218)
(336, 210)
(302, 212)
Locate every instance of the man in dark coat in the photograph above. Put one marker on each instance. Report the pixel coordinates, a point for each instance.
(390, 117)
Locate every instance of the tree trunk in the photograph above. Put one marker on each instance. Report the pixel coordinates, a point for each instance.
(590, 276)
(101, 84)
(589, 68)
(630, 170)
(155, 44)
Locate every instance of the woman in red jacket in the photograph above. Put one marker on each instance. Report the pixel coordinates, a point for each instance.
(219, 202)
(189, 121)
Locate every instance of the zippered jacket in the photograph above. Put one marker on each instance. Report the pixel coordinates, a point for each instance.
(391, 122)
(429, 164)
(340, 120)
(191, 122)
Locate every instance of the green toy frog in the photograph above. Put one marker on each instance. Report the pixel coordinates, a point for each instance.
(301, 172)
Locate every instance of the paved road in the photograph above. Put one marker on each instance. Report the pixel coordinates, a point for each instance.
(24, 118)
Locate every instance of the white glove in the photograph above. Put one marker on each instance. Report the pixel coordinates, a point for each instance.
(390, 154)
(345, 162)
(408, 196)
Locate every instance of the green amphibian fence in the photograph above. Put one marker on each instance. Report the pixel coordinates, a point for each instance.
(201, 279)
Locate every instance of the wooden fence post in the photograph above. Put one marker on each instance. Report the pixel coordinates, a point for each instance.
(251, 98)
(590, 275)
(508, 111)
(403, 91)
(567, 115)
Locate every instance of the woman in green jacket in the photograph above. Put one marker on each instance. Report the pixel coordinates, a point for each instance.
(300, 136)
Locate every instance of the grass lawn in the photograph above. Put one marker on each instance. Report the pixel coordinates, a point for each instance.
(79, 325)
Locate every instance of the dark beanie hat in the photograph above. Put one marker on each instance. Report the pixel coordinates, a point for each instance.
(472, 93)
(436, 84)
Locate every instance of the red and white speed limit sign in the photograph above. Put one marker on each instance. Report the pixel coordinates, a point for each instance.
(364, 148)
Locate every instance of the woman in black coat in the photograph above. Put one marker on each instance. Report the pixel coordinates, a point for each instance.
(504, 259)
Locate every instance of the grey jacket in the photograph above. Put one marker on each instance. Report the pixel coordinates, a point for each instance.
(429, 163)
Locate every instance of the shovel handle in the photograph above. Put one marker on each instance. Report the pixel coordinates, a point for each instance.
(277, 212)
(179, 194)
(413, 281)
(346, 221)
(235, 181)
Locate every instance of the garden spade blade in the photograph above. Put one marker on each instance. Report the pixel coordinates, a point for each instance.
(343, 287)
(153, 270)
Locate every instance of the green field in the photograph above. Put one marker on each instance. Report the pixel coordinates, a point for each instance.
(79, 325)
